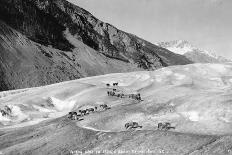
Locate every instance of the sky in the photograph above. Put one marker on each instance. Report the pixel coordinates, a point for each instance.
(206, 24)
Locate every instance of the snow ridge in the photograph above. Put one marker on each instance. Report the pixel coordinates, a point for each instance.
(183, 47)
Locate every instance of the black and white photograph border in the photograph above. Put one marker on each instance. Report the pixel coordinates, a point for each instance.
(115, 77)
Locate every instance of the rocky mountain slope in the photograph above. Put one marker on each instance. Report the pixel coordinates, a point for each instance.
(44, 42)
(192, 53)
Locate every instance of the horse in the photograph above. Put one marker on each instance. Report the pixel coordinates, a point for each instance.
(165, 126)
(91, 109)
(104, 106)
(7, 109)
(83, 112)
(3, 112)
(131, 125)
(95, 108)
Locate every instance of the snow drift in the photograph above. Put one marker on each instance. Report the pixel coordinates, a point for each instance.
(194, 98)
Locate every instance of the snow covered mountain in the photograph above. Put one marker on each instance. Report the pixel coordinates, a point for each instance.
(195, 54)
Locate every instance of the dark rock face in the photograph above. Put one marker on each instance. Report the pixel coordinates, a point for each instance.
(39, 26)
(25, 64)
(46, 41)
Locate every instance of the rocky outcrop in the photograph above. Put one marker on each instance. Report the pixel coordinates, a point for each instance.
(24, 63)
(48, 41)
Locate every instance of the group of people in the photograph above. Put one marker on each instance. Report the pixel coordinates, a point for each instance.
(5, 111)
(78, 116)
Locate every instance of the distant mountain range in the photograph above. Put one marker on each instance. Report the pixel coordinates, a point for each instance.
(194, 54)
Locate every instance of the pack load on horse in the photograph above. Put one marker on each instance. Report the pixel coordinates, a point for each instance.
(132, 125)
(111, 93)
(104, 106)
(88, 111)
(165, 126)
(5, 111)
(74, 116)
(135, 96)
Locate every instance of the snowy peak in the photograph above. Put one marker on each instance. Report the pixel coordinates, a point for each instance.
(177, 46)
(176, 43)
(193, 53)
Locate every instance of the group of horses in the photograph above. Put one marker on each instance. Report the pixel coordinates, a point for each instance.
(5, 111)
(87, 111)
(74, 116)
(135, 96)
(121, 95)
(78, 116)
(165, 126)
(114, 84)
(132, 125)
(161, 126)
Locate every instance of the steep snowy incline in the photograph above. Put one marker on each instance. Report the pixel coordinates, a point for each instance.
(193, 98)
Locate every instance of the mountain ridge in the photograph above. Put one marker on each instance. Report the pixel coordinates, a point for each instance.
(68, 35)
(193, 53)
